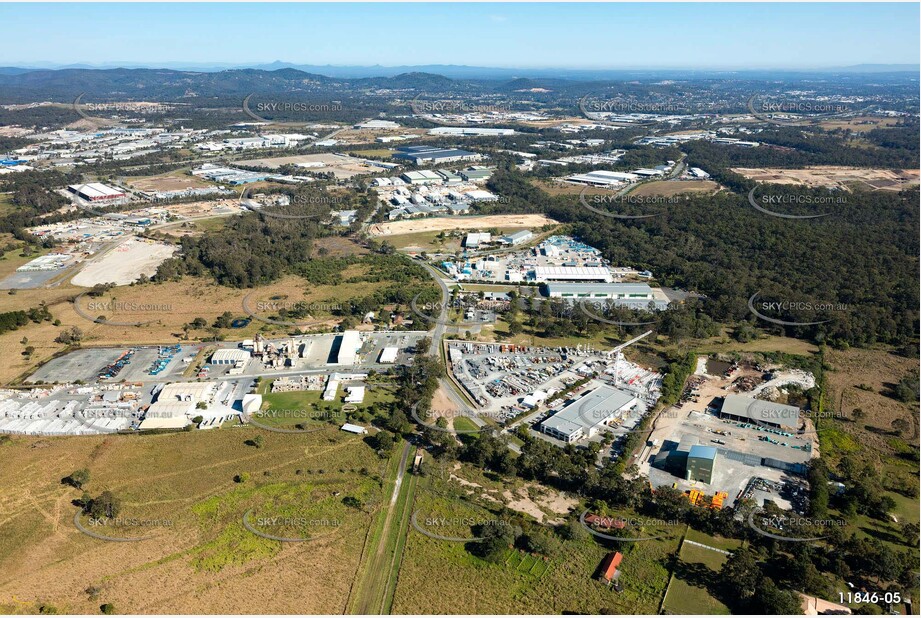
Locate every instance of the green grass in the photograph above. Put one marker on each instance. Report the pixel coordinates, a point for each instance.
(713, 541)
(696, 573)
(519, 582)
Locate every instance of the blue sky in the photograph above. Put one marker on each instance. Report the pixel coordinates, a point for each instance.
(782, 35)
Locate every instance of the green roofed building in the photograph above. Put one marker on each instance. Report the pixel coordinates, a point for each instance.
(701, 460)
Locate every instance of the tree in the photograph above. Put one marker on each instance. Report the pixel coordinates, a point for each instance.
(741, 574)
(69, 336)
(105, 505)
(78, 478)
(495, 540)
(107, 608)
(773, 601)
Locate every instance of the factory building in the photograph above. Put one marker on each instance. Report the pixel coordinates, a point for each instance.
(631, 295)
(700, 463)
(747, 410)
(573, 273)
(388, 356)
(517, 238)
(230, 356)
(584, 417)
(475, 239)
(431, 154)
(96, 192)
(348, 343)
(602, 178)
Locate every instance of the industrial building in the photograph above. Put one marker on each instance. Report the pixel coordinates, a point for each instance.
(475, 239)
(479, 131)
(348, 344)
(747, 410)
(517, 238)
(631, 295)
(700, 463)
(230, 356)
(388, 356)
(96, 192)
(602, 178)
(573, 273)
(432, 154)
(584, 417)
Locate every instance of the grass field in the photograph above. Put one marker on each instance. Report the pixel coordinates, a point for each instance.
(519, 582)
(694, 582)
(203, 559)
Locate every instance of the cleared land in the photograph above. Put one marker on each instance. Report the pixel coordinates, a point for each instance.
(173, 181)
(203, 559)
(125, 263)
(833, 176)
(668, 188)
(395, 228)
(341, 167)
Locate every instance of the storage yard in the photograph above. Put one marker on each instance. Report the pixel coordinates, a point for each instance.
(742, 449)
(507, 381)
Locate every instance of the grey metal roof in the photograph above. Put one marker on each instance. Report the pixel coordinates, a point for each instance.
(589, 410)
(699, 451)
(761, 411)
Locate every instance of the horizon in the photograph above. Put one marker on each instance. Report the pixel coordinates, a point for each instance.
(585, 37)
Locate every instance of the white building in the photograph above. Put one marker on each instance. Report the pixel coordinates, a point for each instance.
(354, 394)
(388, 355)
(230, 356)
(349, 344)
(356, 429)
(584, 417)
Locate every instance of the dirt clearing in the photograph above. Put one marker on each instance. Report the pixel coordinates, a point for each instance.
(461, 223)
(125, 263)
(833, 176)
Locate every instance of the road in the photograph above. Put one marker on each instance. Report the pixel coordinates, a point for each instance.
(440, 327)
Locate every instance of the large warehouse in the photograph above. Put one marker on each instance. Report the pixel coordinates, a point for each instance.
(748, 410)
(573, 273)
(96, 192)
(584, 417)
(349, 343)
(632, 295)
(432, 154)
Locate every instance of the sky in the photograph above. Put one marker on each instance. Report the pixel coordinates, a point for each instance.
(513, 35)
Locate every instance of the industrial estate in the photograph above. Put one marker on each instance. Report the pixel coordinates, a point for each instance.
(635, 344)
